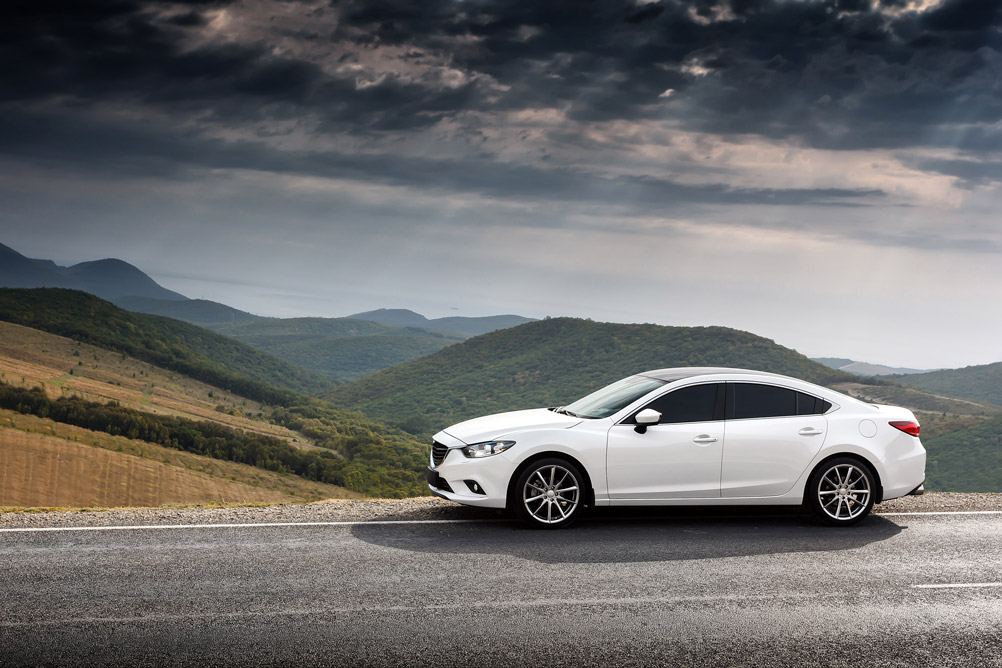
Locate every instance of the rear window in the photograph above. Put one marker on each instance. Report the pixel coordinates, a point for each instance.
(753, 400)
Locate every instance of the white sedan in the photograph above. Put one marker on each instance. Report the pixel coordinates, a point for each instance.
(685, 436)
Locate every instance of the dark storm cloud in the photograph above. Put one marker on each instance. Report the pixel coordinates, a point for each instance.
(838, 74)
(130, 150)
(781, 69)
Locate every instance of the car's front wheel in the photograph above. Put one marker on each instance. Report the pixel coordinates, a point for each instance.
(549, 494)
(841, 491)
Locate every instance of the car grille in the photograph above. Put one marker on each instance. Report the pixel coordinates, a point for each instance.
(438, 452)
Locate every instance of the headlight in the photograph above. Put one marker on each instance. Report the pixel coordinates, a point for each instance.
(486, 449)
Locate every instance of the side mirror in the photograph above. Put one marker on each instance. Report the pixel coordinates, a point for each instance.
(645, 418)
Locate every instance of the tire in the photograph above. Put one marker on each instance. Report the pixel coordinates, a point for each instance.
(841, 491)
(549, 494)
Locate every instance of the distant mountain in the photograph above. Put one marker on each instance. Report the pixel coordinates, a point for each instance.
(342, 348)
(981, 383)
(196, 311)
(552, 362)
(464, 325)
(864, 368)
(108, 279)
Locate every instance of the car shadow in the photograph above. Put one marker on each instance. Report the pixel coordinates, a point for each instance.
(637, 535)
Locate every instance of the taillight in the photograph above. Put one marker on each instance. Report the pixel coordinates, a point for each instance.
(907, 426)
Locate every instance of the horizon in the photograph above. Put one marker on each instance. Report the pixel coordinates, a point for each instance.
(457, 312)
(825, 174)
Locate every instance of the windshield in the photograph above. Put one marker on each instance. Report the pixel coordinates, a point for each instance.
(611, 398)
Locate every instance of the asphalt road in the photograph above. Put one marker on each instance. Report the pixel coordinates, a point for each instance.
(710, 590)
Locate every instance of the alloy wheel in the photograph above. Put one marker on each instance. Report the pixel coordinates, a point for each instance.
(551, 494)
(844, 492)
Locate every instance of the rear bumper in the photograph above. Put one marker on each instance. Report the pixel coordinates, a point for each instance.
(918, 491)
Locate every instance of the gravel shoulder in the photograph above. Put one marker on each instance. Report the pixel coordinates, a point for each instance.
(421, 508)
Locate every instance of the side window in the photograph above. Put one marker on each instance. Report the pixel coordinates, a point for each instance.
(808, 405)
(696, 403)
(752, 400)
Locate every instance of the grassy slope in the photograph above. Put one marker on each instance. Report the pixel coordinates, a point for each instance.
(167, 343)
(376, 459)
(341, 348)
(980, 383)
(63, 367)
(44, 463)
(552, 362)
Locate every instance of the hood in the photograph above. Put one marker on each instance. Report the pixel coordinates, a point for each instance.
(491, 427)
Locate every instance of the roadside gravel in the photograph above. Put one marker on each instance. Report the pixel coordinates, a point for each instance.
(422, 508)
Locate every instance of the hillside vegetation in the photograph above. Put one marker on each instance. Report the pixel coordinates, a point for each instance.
(552, 362)
(969, 460)
(64, 457)
(170, 344)
(64, 367)
(201, 437)
(341, 348)
(357, 452)
(980, 383)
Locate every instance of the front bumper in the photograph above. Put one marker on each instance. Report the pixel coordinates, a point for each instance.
(474, 482)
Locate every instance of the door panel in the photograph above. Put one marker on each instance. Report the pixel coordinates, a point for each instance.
(766, 456)
(665, 462)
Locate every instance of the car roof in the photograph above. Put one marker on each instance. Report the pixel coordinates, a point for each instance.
(678, 373)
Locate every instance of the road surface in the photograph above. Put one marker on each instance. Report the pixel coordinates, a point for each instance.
(664, 588)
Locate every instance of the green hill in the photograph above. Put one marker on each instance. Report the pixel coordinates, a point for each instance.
(341, 348)
(552, 362)
(980, 383)
(969, 460)
(167, 343)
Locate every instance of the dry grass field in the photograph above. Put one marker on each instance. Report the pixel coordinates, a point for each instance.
(45, 463)
(63, 367)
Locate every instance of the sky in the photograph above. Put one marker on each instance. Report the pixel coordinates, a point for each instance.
(823, 173)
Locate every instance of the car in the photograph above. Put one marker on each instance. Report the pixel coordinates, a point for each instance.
(684, 436)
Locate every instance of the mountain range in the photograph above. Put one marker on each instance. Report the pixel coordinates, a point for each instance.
(108, 279)
(470, 326)
(339, 348)
(865, 368)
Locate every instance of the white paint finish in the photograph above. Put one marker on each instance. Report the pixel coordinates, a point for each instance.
(665, 462)
(766, 456)
(868, 428)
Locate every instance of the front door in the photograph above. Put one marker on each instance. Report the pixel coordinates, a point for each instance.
(677, 458)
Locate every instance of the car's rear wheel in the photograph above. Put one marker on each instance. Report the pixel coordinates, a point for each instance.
(549, 494)
(841, 491)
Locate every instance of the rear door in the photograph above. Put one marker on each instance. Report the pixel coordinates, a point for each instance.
(771, 435)
(677, 458)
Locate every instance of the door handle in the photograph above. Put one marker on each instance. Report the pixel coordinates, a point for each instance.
(810, 431)
(704, 438)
